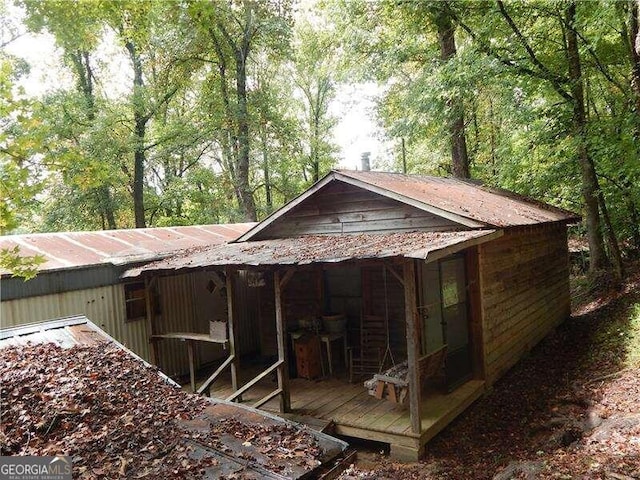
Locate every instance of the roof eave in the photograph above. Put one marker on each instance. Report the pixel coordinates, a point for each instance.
(420, 253)
(472, 242)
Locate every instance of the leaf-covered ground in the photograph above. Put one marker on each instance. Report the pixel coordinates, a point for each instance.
(569, 410)
(117, 418)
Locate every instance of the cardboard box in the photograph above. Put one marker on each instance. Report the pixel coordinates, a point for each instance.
(218, 330)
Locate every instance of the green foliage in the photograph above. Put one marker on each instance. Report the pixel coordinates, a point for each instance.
(515, 91)
(235, 100)
(20, 266)
(19, 141)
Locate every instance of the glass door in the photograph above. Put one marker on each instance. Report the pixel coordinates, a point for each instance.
(453, 294)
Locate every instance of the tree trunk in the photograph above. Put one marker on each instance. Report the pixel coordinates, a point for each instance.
(106, 206)
(315, 142)
(459, 155)
(229, 141)
(614, 248)
(634, 40)
(598, 257)
(634, 43)
(266, 172)
(140, 120)
(82, 64)
(245, 199)
(138, 172)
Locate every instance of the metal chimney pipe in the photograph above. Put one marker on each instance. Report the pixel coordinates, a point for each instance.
(364, 158)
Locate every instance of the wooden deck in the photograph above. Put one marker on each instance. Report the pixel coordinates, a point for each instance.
(357, 414)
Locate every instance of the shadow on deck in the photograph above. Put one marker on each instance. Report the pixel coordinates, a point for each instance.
(355, 413)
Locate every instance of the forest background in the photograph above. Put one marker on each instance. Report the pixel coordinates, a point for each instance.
(223, 110)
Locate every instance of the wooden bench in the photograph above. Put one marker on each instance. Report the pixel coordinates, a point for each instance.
(393, 384)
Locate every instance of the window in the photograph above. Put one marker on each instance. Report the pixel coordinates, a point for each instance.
(135, 301)
(452, 278)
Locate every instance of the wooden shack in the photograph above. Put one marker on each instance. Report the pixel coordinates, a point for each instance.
(427, 264)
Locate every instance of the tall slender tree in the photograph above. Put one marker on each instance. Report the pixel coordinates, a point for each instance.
(442, 18)
(233, 31)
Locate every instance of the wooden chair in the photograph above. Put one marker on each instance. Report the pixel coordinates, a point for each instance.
(393, 384)
(368, 357)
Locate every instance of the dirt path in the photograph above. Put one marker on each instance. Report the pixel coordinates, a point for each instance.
(571, 409)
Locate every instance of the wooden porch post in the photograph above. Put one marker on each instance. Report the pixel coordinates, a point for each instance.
(149, 284)
(413, 344)
(232, 337)
(281, 335)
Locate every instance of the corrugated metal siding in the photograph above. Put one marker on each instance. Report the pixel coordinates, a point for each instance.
(179, 295)
(111, 317)
(49, 283)
(184, 308)
(177, 315)
(23, 311)
(209, 304)
(246, 300)
(104, 306)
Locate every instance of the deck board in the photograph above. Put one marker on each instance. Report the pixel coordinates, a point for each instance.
(356, 413)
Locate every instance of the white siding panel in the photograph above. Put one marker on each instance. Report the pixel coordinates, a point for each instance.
(29, 310)
(104, 306)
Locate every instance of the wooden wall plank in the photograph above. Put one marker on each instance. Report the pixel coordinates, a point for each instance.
(348, 209)
(524, 278)
(476, 334)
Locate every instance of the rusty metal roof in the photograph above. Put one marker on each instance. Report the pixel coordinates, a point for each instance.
(81, 249)
(321, 249)
(64, 332)
(466, 202)
(491, 206)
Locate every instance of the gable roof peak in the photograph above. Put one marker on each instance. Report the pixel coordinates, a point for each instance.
(467, 202)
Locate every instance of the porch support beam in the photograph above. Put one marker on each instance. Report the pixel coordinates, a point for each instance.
(281, 335)
(217, 281)
(286, 277)
(393, 272)
(413, 344)
(230, 274)
(252, 383)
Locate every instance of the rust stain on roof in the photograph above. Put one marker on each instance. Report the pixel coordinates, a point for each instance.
(65, 332)
(82, 249)
(318, 249)
(492, 206)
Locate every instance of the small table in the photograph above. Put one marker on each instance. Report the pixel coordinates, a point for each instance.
(190, 337)
(325, 338)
